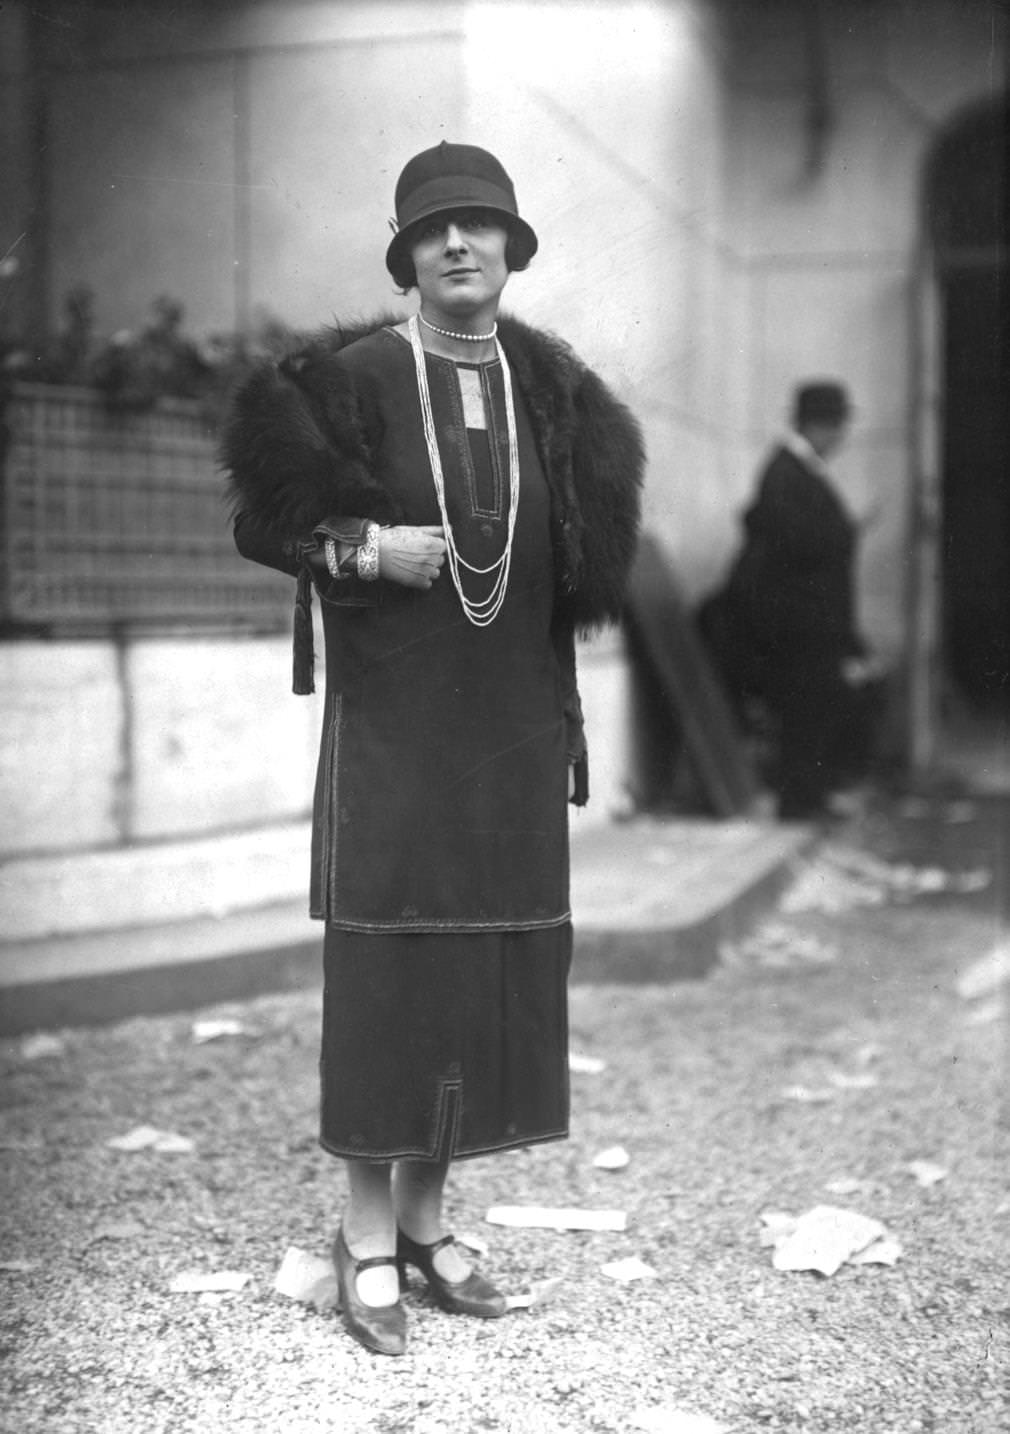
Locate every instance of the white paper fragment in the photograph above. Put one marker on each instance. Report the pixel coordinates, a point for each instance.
(776, 946)
(215, 1030)
(542, 1217)
(539, 1292)
(615, 1157)
(807, 1095)
(824, 1238)
(845, 1185)
(471, 1241)
(141, 1137)
(665, 1420)
(926, 1172)
(168, 1143)
(309, 1279)
(858, 1080)
(149, 1137)
(985, 976)
(629, 1269)
(585, 1065)
(195, 1282)
(841, 878)
(885, 1251)
(40, 1046)
(18, 1267)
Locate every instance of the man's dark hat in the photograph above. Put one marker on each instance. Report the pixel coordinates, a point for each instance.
(455, 176)
(821, 402)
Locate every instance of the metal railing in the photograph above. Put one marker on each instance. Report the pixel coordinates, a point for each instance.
(111, 520)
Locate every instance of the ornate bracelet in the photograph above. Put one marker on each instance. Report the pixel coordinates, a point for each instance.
(332, 558)
(368, 555)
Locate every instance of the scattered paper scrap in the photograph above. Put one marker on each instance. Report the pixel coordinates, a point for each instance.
(149, 1137)
(538, 1293)
(18, 1267)
(985, 976)
(585, 1065)
(195, 1282)
(845, 1185)
(309, 1279)
(615, 1157)
(543, 1217)
(41, 1045)
(473, 1242)
(776, 946)
(841, 878)
(629, 1269)
(807, 1095)
(885, 1251)
(664, 1420)
(857, 1080)
(822, 1239)
(926, 1172)
(216, 1030)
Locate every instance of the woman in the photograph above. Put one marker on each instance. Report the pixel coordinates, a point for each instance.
(463, 495)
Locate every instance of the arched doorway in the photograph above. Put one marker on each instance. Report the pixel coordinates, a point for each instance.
(966, 218)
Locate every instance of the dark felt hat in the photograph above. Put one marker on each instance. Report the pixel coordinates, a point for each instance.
(823, 402)
(455, 176)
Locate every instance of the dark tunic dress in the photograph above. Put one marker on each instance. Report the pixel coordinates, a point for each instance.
(441, 867)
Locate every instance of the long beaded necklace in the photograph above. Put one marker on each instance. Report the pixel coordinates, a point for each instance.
(484, 611)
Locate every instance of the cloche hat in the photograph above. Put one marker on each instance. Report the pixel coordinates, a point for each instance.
(454, 176)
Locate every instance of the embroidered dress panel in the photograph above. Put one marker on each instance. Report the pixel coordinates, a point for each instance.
(474, 439)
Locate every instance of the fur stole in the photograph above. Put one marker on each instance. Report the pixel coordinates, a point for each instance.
(296, 453)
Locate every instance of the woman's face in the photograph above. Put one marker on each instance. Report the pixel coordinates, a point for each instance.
(459, 258)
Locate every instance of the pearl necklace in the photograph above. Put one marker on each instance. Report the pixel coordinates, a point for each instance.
(465, 338)
(484, 611)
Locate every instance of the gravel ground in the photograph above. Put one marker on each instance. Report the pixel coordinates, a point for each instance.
(697, 1087)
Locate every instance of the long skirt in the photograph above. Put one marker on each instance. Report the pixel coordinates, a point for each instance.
(439, 1046)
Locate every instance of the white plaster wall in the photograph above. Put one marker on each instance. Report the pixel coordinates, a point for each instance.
(218, 738)
(61, 753)
(830, 256)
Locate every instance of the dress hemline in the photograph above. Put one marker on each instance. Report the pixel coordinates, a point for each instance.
(520, 1142)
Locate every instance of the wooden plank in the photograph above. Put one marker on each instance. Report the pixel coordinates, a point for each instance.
(664, 634)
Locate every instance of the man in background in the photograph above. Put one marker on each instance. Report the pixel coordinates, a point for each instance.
(783, 629)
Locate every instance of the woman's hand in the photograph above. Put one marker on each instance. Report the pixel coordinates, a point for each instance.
(412, 556)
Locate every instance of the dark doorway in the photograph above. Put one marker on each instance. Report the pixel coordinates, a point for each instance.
(968, 220)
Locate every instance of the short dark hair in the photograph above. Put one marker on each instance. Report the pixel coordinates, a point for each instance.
(517, 256)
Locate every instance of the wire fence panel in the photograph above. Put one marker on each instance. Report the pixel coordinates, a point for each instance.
(112, 519)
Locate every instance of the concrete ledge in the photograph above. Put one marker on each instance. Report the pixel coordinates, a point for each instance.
(652, 901)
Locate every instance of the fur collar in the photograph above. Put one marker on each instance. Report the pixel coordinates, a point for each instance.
(296, 453)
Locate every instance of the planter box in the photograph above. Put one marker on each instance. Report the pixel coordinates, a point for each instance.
(115, 520)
